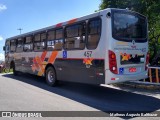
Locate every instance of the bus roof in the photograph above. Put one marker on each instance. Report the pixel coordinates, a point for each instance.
(59, 25)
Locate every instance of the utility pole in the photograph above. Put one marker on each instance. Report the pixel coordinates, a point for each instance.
(20, 29)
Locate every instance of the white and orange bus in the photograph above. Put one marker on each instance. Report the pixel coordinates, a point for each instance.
(105, 47)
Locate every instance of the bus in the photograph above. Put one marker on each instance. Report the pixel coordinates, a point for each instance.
(109, 46)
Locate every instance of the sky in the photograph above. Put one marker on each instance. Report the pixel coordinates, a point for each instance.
(35, 14)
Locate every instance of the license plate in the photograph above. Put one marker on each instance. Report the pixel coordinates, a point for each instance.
(132, 69)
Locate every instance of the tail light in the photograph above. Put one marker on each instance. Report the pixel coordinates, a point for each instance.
(112, 62)
(147, 61)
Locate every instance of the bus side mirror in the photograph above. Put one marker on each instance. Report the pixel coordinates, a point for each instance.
(4, 48)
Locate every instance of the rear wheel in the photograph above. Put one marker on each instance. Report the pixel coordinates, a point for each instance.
(51, 76)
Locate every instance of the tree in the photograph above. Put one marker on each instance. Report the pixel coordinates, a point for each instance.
(149, 8)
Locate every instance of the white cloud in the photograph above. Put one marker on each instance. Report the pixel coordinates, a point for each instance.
(2, 56)
(1, 38)
(2, 7)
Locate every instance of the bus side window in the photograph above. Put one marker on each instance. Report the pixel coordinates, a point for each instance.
(28, 45)
(58, 43)
(19, 45)
(13, 46)
(50, 40)
(94, 32)
(7, 46)
(43, 40)
(75, 36)
(39, 41)
(55, 39)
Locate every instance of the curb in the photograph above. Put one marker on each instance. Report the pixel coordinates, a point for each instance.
(139, 84)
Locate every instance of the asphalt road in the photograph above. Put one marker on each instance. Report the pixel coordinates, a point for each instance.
(30, 93)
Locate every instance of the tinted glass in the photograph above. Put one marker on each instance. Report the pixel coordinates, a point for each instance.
(75, 36)
(51, 35)
(28, 39)
(37, 37)
(128, 26)
(94, 32)
(13, 45)
(59, 34)
(43, 36)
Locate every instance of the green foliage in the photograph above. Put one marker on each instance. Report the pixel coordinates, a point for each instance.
(149, 8)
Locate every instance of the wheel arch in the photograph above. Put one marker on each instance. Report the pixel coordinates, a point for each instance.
(50, 65)
(12, 64)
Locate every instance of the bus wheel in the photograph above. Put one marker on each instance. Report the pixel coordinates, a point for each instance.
(51, 76)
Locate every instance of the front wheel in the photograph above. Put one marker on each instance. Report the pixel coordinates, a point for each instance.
(51, 76)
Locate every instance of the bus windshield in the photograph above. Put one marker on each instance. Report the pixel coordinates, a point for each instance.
(127, 26)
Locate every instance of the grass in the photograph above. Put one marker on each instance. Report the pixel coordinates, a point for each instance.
(7, 71)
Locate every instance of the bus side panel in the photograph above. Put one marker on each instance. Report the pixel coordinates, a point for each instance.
(76, 71)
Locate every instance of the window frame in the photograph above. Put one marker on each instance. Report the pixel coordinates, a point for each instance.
(138, 40)
(34, 42)
(54, 29)
(84, 24)
(15, 45)
(7, 45)
(22, 39)
(100, 33)
(30, 50)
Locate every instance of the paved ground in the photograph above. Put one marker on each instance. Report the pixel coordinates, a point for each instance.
(30, 93)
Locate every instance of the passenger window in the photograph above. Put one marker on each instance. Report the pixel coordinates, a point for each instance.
(43, 37)
(28, 45)
(94, 32)
(59, 33)
(51, 35)
(7, 46)
(55, 39)
(50, 41)
(75, 36)
(13, 45)
(39, 41)
(19, 45)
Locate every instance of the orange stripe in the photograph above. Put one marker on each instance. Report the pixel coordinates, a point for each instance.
(53, 57)
(43, 55)
(40, 64)
(59, 25)
(33, 67)
(72, 21)
(40, 73)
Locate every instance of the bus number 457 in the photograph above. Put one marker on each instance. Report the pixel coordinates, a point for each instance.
(88, 54)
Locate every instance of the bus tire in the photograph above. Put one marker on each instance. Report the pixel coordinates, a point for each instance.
(51, 76)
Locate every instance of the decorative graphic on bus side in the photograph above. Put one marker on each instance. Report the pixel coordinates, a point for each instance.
(39, 63)
(125, 56)
(88, 62)
(131, 58)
